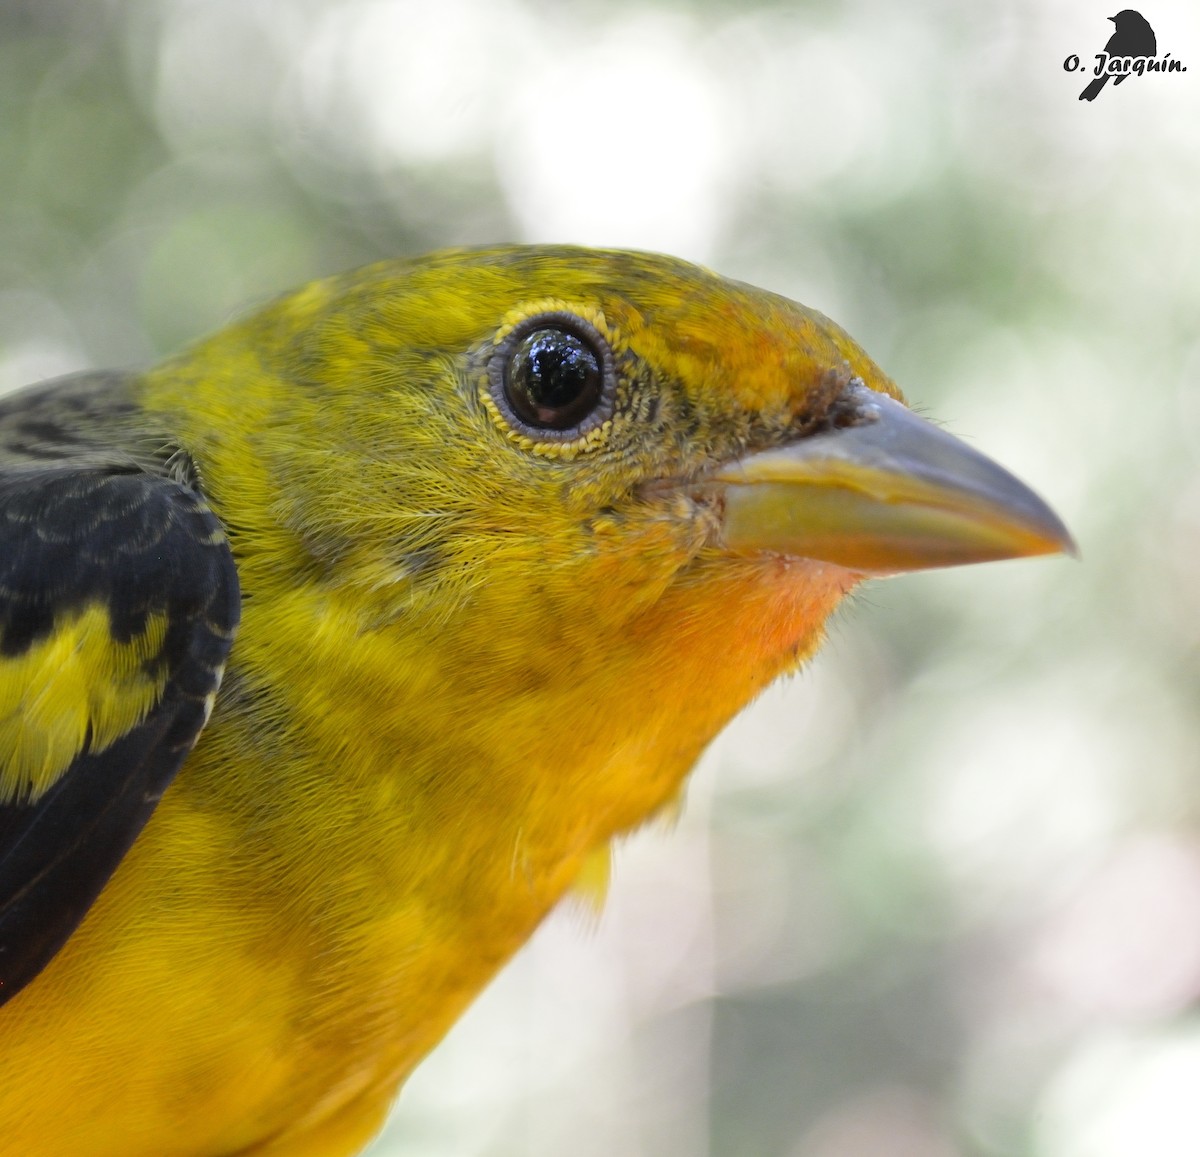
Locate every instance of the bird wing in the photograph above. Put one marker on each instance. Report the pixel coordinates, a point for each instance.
(1139, 42)
(118, 604)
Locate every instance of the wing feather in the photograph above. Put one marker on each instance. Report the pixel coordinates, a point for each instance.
(118, 604)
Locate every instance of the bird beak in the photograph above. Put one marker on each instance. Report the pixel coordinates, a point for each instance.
(891, 493)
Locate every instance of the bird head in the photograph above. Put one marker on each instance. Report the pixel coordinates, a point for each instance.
(571, 467)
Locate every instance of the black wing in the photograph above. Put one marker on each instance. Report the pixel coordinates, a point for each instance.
(118, 604)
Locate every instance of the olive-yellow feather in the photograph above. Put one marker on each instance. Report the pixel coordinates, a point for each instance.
(511, 534)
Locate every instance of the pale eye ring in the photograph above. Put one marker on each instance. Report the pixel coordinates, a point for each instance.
(553, 378)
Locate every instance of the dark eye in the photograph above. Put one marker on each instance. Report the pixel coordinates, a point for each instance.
(554, 373)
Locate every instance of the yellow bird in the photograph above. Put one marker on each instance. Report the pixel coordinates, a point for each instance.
(511, 534)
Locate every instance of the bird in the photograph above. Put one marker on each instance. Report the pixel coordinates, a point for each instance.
(1133, 37)
(337, 648)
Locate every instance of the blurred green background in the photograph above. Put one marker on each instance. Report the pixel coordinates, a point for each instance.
(939, 896)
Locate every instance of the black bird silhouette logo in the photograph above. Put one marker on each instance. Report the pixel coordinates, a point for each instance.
(1133, 37)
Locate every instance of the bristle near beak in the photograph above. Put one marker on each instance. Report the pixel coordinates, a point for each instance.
(891, 493)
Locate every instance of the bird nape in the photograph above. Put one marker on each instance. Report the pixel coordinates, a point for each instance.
(335, 649)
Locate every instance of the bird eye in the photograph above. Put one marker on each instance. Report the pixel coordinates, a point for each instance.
(554, 376)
